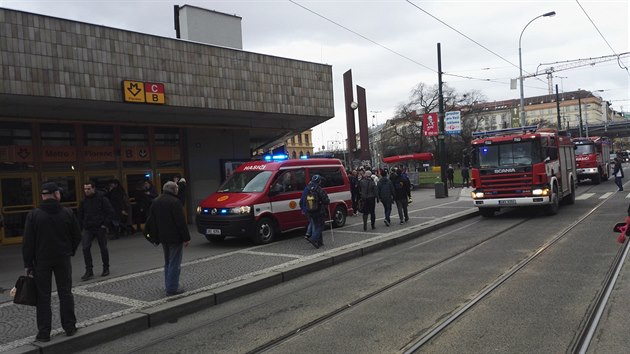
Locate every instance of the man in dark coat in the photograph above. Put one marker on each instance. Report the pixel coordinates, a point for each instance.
(315, 215)
(403, 193)
(369, 198)
(387, 195)
(95, 218)
(172, 231)
(181, 185)
(120, 202)
(354, 191)
(51, 237)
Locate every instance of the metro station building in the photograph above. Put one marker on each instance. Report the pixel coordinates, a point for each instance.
(85, 102)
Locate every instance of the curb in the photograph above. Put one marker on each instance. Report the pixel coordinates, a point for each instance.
(146, 318)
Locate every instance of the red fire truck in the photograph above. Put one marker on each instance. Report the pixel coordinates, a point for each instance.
(522, 167)
(592, 158)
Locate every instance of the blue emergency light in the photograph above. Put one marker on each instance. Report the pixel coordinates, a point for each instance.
(304, 157)
(280, 157)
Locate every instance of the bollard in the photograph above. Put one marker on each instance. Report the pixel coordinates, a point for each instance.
(439, 190)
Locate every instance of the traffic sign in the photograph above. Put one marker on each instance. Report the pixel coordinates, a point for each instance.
(133, 91)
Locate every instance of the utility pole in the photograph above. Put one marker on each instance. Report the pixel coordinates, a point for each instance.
(558, 108)
(580, 109)
(441, 137)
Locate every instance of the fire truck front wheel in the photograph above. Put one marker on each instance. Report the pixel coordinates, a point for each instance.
(488, 212)
(554, 203)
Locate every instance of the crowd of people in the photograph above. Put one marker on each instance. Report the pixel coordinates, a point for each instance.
(383, 186)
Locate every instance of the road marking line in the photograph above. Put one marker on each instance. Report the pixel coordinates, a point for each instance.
(584, 196)
(272, 254)
(606, 195)
(110, 297)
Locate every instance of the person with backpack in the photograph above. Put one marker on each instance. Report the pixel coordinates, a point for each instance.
(402, 190)
(314, 203)
(95, 217)
(369, 198)
(387, 195)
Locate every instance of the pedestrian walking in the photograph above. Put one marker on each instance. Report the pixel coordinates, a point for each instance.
(95, 217)
(618, 173)
(120, 202)
(144, 194)
(51, 237)
(465, 177)
(450, 176)
(369, 198)
(387, 195)
(314, 204)
(403, 193)
(173, 234)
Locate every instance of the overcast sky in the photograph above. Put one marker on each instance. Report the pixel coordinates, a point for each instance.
(284, 28)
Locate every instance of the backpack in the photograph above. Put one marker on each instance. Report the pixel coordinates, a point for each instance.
(312, 201)
(150, 230)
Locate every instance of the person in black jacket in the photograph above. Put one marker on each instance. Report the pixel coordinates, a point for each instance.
(95, 217)
(172, 232)
(369, 198)
(618, 173)
(403, 192)
(120, 202)
(51, 237)
(387, 195)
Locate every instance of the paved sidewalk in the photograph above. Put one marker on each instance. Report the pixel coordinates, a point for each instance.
(133, 299)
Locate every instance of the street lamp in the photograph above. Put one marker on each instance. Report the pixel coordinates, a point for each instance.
(520, 65)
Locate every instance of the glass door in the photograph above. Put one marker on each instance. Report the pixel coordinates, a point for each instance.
(18, 196)
(141, 191)
(101, 180)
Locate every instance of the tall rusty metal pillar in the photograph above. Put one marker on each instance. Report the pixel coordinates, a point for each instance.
(349, 97)
(363, 125)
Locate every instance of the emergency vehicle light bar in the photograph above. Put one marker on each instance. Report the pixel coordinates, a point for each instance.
(506, 131)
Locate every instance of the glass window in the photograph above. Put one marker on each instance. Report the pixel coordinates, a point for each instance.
(134, 136)
(167, 136)
(290, 181)
(331, 176)
(306, 138)
(248, 181)
(299, 137)
(98, 135)
(509, 154)
(58, 135)
(585, 149)
(15, 134)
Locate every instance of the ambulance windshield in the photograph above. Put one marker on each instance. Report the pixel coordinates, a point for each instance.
(247, 181)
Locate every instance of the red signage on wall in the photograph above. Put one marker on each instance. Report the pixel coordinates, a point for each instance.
(430, 124)
(16, 153)
(135, 153)
(59, 154)
(97, 154)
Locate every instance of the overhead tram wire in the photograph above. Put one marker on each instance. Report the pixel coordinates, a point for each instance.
(362, 36)
(470, 39)
(604, 38)
(382, 46)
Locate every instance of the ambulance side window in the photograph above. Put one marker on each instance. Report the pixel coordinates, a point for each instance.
(331, 176)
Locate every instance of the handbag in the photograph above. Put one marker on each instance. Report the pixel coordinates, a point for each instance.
(25, 291)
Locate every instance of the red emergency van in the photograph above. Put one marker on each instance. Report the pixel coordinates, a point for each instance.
(262, 199)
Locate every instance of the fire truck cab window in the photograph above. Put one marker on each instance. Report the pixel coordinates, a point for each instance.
(584, 149)
(503, 155)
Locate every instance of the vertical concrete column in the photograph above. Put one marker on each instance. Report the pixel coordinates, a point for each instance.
(363, 124)
(349, 97)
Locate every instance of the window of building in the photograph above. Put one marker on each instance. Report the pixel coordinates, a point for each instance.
(167, 136)
(299, 139)
(15, 134)
(98, 135)
(58, 135)
(294, 155)
(306, 139)
(134, 136)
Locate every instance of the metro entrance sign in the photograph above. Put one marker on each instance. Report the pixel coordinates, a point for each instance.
(143, 92)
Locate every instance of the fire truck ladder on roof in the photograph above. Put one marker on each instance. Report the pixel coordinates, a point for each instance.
(507, 131)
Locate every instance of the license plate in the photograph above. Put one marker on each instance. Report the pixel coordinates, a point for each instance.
(213, 231)
(507, 201)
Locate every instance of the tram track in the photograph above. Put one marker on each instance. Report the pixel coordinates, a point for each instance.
(581, 342)
(278, 340)
(288, 335)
